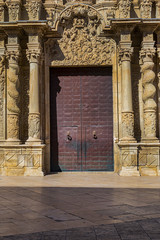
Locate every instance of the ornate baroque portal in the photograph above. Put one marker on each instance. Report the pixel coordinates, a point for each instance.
(37, 36)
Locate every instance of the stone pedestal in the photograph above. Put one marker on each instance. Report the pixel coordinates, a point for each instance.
(149, 160)
(129, 160)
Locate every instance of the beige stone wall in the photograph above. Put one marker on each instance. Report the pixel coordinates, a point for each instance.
(123, 34)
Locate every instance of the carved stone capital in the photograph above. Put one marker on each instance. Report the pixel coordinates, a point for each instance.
(33, 56)
(146, 55)
(13, 56)
(34, 126)
(125, 54)
(124, 8)
(34, 9)
(14, 8)
(146, 9)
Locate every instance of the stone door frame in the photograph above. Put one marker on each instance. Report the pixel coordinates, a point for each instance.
(115, 88)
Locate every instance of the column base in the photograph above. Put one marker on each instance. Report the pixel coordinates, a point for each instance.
(150, 140)
(22, 160)
(148, 171)
(33, 141)
(11, 141)
(128, 139)
(129, 171)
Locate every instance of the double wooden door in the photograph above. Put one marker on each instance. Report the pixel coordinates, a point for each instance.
(81, 107)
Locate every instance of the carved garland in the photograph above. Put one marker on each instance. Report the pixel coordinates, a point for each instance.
(80, 43)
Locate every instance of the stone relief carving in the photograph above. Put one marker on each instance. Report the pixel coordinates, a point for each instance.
(146, 8)
(2, 82)
(34, 126)
(80, 43)
(124, 8)
(14, 10)
(128, 124)
(1, 12)
(13, 126)
(149, 90)
(13, 82)
(110, 14)
(33, 55)
(125, 54)
(13, 95)
(34, 8)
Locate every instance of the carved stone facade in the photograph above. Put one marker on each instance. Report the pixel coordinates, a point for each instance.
(122, 34)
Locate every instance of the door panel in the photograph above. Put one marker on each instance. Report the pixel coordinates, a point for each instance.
(81, 107)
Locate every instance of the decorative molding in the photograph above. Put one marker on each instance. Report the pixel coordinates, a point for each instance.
(14, 10)
(128, 124)
(124, 8)
(13, 56)
(34, 9)
(80, 43)
(34, 125)
(33, 55)
(12, 126)
(125, 54)
(146, 9)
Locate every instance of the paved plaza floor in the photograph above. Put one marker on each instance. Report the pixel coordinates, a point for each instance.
(80, 206)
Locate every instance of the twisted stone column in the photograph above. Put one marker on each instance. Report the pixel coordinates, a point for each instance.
(34, 108)
(127, 108)
(13, 109)
(149, 90)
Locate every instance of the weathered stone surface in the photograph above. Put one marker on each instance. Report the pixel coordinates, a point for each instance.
(79, 34)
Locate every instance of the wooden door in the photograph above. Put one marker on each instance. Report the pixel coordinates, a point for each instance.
(81, 119)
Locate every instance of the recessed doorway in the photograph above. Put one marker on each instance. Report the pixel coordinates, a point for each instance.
(81, 122)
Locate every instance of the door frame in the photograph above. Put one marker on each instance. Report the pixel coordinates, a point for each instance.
(103, 70)
(116, 88)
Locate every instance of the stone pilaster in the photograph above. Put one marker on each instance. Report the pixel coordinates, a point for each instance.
(148, 76)
(33, 54)
(146, 9)
(124, 8)
(125, 53)
(13, 110)
(2, 5)
(34, 9)
(14, 10)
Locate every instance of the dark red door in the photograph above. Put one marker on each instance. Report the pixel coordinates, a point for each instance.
(81, 119)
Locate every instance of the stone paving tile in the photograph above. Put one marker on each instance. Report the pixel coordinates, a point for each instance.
(79, 213)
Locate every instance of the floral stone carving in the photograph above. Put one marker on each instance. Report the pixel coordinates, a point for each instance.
(124, 8)
(80, 43)
(34, 126)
